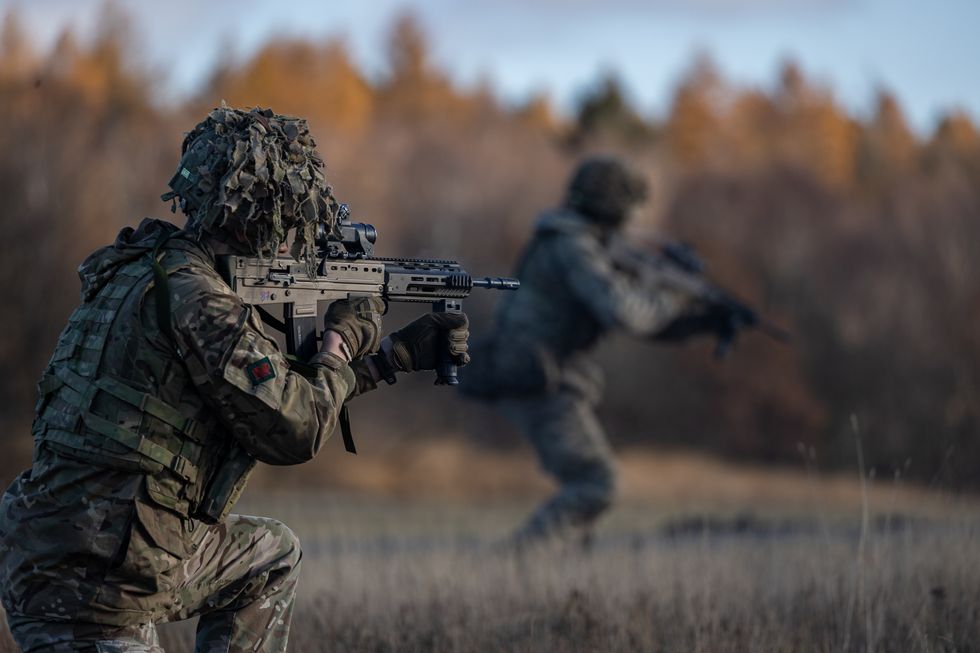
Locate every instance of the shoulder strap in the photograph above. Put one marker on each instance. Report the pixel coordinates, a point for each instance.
(162, 287)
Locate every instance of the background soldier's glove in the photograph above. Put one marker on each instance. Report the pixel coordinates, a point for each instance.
(698, 321)
(419, 345)
(358, 321)
(720, 320)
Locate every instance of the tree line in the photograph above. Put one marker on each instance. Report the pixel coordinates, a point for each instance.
(854, 231)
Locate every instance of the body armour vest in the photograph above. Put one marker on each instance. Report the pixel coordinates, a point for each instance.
(117, 395)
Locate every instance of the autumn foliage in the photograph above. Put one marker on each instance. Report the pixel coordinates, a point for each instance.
(857, 233)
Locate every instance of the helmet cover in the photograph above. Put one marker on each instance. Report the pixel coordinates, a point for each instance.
(603, 188)
(249, 177)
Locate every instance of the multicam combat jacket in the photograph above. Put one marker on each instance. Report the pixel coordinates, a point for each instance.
(141, 437)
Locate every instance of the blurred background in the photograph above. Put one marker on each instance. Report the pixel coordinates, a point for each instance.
(823, 155)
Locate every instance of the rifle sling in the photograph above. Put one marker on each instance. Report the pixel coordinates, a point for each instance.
(162, 288)
(270, 320)
(345, 430)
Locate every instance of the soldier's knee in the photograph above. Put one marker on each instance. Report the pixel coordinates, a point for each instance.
(293, 549)
(287, 545)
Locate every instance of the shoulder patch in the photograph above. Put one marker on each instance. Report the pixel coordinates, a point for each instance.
(261, 371)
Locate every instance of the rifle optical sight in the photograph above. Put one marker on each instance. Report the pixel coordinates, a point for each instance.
(356, 238)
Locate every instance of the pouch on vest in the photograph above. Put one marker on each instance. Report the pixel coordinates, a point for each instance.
(226, 486)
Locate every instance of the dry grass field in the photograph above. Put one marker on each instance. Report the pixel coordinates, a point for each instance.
(699, 556)
(907, 590)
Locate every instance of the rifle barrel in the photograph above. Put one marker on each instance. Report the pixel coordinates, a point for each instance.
(496, 283)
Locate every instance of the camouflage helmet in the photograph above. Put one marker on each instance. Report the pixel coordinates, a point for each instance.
(249, 177)
(603, 188)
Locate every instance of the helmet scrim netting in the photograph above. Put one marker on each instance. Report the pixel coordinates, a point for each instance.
(254, 175)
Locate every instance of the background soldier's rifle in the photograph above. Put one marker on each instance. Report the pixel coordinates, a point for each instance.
(348, 268)
(677, 265)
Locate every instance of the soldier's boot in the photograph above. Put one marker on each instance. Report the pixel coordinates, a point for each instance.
(242, 583)
(582, 498)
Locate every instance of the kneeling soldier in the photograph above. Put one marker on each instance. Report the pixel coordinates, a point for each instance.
(163, 392)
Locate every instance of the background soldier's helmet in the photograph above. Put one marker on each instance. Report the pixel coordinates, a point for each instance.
(249, 177)
(604, 189)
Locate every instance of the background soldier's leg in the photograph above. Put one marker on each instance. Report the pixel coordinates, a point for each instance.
(572, 447)
(36, 636)
(242, 583)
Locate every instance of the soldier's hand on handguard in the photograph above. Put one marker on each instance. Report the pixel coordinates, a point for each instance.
(419, 345)
(358, 323)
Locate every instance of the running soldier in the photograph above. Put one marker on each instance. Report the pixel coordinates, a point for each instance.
(538, 366)
(163, 392)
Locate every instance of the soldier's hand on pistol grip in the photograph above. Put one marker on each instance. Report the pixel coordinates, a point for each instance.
(419, 345)
(358, 322)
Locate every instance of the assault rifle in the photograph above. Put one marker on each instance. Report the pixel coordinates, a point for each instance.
(348, 268)
(677, 265)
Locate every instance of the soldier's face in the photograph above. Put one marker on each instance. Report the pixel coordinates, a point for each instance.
(618, 220)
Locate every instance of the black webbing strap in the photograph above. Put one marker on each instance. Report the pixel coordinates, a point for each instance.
(162, 288)
(310, 372)
(345, 430)
(271, 320)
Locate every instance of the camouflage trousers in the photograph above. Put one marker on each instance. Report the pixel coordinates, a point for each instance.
(241, 582)
(572, 447)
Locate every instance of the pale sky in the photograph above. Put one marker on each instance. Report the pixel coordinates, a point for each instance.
(926, 51)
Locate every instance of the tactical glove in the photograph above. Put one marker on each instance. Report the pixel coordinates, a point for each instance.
(720, 320)
(419, 345)
(358, 321)
(690, 325)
